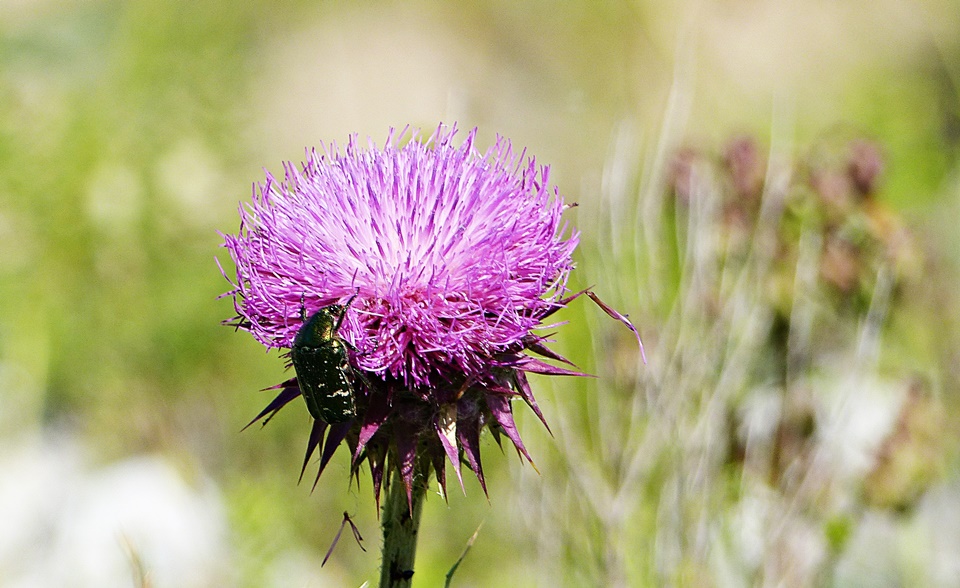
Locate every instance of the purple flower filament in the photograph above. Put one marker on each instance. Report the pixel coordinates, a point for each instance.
(455, 258)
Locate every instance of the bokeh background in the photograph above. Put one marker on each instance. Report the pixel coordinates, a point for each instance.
(800, 439)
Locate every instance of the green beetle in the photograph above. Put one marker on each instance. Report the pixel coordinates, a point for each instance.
(324, 374)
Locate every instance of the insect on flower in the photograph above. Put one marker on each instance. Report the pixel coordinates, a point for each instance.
(320, 359)
(455, 260)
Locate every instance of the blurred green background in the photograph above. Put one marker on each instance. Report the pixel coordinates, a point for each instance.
(130, 131)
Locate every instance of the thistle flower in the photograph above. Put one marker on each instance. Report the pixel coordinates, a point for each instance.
(443, 262)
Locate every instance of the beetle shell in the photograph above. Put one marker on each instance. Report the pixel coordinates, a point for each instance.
(324, 375)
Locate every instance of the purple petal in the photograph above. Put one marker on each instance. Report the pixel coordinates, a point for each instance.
(446, 427)
(469, 435)
(536, 366)
(290, 391)
(334, 437)
(495, 431)
(407, 455)
(539, 348)
(523, 385)
(439, 466)
(377, 412)
(562, 303)
(316, 435)
(376, 458)
(502, 412)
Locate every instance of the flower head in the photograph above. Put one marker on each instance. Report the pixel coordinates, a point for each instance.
(444, 263)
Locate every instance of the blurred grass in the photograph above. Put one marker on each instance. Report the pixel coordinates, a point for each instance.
(129, 131)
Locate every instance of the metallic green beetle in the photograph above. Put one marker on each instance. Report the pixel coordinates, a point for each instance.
(324, 375)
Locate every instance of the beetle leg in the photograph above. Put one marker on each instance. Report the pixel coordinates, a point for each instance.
(343, 311)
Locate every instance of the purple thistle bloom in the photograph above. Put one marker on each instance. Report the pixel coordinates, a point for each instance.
(454, 259)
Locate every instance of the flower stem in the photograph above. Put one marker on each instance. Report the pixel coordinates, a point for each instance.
(400, 528)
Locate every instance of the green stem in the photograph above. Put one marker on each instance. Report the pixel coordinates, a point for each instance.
(400, 528)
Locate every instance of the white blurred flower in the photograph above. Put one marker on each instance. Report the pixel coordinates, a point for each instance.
(68, 526)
